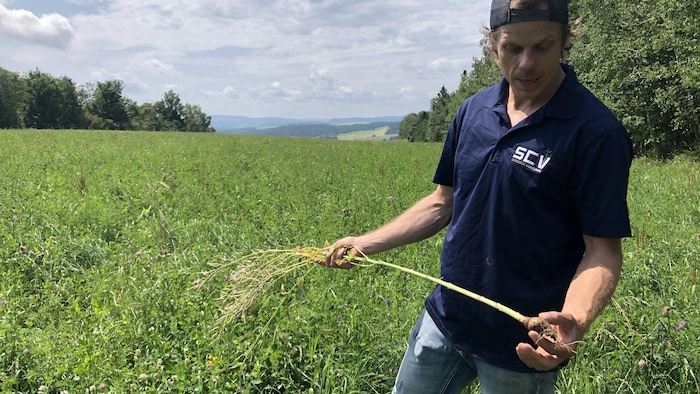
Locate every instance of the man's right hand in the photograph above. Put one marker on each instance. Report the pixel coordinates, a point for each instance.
(337, 253)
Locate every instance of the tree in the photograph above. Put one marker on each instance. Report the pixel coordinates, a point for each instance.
(650, 73)
(109, 106)
(170, 111)
(433, 125)
(640, 57)
(52, 103)
(440, 117)
(41, 101)
(414, 127)
(484, 73)
(195, 119)
(12, 99)
(147, 119)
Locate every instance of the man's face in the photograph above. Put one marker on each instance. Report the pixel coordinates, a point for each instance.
(528, 54)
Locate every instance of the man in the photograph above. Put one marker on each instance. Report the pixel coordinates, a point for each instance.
(532, 182)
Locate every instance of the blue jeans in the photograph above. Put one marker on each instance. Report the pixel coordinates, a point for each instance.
(432, 365)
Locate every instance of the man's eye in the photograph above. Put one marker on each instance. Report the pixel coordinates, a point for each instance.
(543, 47)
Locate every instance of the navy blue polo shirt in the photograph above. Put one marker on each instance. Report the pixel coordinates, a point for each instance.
(524, 195)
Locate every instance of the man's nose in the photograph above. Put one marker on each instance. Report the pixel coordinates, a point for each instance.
(527, 60)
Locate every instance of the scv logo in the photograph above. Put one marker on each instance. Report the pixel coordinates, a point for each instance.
(530, 159)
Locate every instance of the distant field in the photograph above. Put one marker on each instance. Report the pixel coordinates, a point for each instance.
(103, 236)
(378, 134)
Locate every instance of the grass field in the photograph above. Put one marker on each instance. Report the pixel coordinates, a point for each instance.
(103, 236)
(379, 134)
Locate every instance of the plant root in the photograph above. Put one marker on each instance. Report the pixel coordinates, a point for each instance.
(542, 327)
(547, 332)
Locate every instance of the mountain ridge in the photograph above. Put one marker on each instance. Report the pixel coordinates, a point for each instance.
(247, 125)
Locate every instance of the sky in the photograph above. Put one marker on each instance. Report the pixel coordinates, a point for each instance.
(301, 59)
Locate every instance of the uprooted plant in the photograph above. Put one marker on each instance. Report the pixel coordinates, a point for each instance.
(256, 272)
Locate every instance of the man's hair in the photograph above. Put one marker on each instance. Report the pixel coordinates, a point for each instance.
(568, 31)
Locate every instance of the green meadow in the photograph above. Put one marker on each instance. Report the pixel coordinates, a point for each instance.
(104, 236)
(378, 134)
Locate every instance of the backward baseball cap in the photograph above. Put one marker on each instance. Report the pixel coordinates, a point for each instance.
(501, 13)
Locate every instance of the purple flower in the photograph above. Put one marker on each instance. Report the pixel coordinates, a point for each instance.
(681, 325)
(387, 302)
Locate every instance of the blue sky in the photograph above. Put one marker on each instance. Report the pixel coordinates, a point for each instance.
(288, 58)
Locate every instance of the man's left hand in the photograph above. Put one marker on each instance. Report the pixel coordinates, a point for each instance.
(547, 354)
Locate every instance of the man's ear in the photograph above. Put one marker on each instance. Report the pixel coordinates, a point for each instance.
(566, 47)
(492, 44)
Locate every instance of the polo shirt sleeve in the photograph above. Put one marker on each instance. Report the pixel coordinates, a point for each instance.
(444, 174)
(600, 178)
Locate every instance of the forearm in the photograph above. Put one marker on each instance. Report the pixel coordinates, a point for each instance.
(423, 220)
(594, 282)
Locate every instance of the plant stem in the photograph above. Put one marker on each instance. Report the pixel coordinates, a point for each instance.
(498, 306)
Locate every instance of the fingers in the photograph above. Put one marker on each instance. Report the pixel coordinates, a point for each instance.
(336, 256)
(537, 359)
(559, 318)
(561, 350)
(569, 330)
(547, 355)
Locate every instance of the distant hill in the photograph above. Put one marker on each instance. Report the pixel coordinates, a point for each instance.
(318, 128)
(233, 124)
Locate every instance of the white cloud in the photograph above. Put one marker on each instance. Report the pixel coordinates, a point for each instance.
(295, 58)
(158, 66)
(324, 86)
(131, 82)
(227, 93)
(105, 75)
(51, 30)
(443, 63)
(276, 89)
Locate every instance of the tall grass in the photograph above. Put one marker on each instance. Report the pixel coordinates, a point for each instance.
(103, 236)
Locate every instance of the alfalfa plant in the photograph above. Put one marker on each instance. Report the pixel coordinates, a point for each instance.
(255, 273)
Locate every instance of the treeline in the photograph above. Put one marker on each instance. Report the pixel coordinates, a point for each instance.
(640, 57)
(320, 130)
(41, 101)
